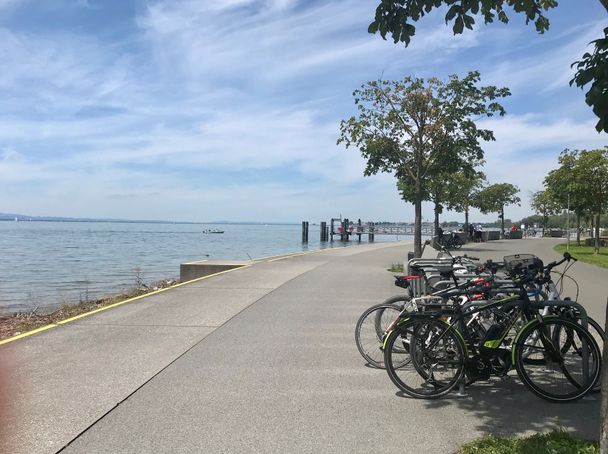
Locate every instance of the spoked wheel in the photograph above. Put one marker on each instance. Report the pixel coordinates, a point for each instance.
(370, 330)
(596, 331)
(456, 243)
(557, 359)
(432, 364)
(573, 346)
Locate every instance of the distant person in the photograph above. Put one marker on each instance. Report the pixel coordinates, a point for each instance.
(478, 233)
(439, 235)
(471, 232)
(513, 228)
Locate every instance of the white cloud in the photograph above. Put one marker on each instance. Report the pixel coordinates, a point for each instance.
(545, 71)
(247, 92)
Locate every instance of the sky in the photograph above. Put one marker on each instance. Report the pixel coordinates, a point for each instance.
(206, 110)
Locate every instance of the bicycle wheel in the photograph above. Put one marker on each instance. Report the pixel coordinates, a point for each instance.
(596, 331)
(370, 330)
(433, 362)
(457, 243)
(549, 365)
(599, 336)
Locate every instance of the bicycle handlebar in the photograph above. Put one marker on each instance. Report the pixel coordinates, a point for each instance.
(567, 258)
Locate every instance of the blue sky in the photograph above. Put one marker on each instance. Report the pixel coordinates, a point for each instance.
(230, 109)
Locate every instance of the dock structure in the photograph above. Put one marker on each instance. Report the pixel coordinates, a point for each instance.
(344, 229)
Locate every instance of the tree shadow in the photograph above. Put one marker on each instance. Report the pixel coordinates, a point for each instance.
(477, 249)
(505, 407)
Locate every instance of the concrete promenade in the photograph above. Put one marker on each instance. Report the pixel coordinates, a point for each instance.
(260, 359)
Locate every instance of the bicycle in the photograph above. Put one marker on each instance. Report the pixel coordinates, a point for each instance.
(451, 241)
(433, 355)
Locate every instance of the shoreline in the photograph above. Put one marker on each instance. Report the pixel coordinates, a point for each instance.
(17, 323)
(12, 325)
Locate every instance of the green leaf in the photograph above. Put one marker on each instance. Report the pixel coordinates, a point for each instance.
(458, 25)
(454, 9)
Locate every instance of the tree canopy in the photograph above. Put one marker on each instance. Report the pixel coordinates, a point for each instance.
(412, 127)
(581, 182)
(546, 204)
(397, 17)
(494, 198)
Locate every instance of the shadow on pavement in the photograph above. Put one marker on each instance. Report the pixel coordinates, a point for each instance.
(505, 407)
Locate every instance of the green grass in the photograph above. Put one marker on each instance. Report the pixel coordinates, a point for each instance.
(556, 442)
(586, 254)
(396, 268)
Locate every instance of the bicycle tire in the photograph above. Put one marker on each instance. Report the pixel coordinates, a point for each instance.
(457, 243)
(596, 330)
(599, 336)
(421, 367)
(541, 376)
(370, 330)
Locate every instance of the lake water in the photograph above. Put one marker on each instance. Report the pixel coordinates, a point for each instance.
(45, 264)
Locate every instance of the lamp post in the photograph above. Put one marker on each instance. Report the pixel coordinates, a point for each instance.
(568, 224)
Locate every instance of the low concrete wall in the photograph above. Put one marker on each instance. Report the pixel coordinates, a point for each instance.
(517, 235)
(463, 236)
(194, 270)
(591, 242)
(490, 235)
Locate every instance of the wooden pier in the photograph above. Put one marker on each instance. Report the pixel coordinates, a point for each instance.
(344, 229)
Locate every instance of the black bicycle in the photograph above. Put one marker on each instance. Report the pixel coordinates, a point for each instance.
(450, 241)
(557, 359)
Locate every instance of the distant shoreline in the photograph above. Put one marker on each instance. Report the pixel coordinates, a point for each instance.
(126, 221)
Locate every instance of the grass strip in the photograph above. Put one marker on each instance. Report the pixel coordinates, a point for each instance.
(396, 268)
(556, 442)
(585, 254)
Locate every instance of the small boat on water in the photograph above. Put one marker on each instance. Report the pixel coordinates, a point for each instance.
(212, 231)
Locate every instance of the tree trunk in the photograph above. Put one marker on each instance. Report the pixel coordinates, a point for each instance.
(466, 220)
(436, 223)
(578, 229)
(502, 219)
(592, 226)
(418, 220)
(596, 248)
(545, 217)
(604, 408)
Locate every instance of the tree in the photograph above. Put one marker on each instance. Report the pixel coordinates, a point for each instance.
(494, 198)
(545, 204)
(396, 17)
(593, 68)
(563, 183)
(582, 181)
(407, 127)
(592, 172)
(462, 191)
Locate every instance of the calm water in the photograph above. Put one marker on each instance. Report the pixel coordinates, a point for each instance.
(45, 264)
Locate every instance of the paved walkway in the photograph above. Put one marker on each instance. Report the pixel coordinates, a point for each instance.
(261, 359)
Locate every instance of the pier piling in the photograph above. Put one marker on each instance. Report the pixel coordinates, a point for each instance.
(304, 231)
(324, 232)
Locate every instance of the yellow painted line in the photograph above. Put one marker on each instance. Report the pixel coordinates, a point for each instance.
(120, 303)
(28, 333)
